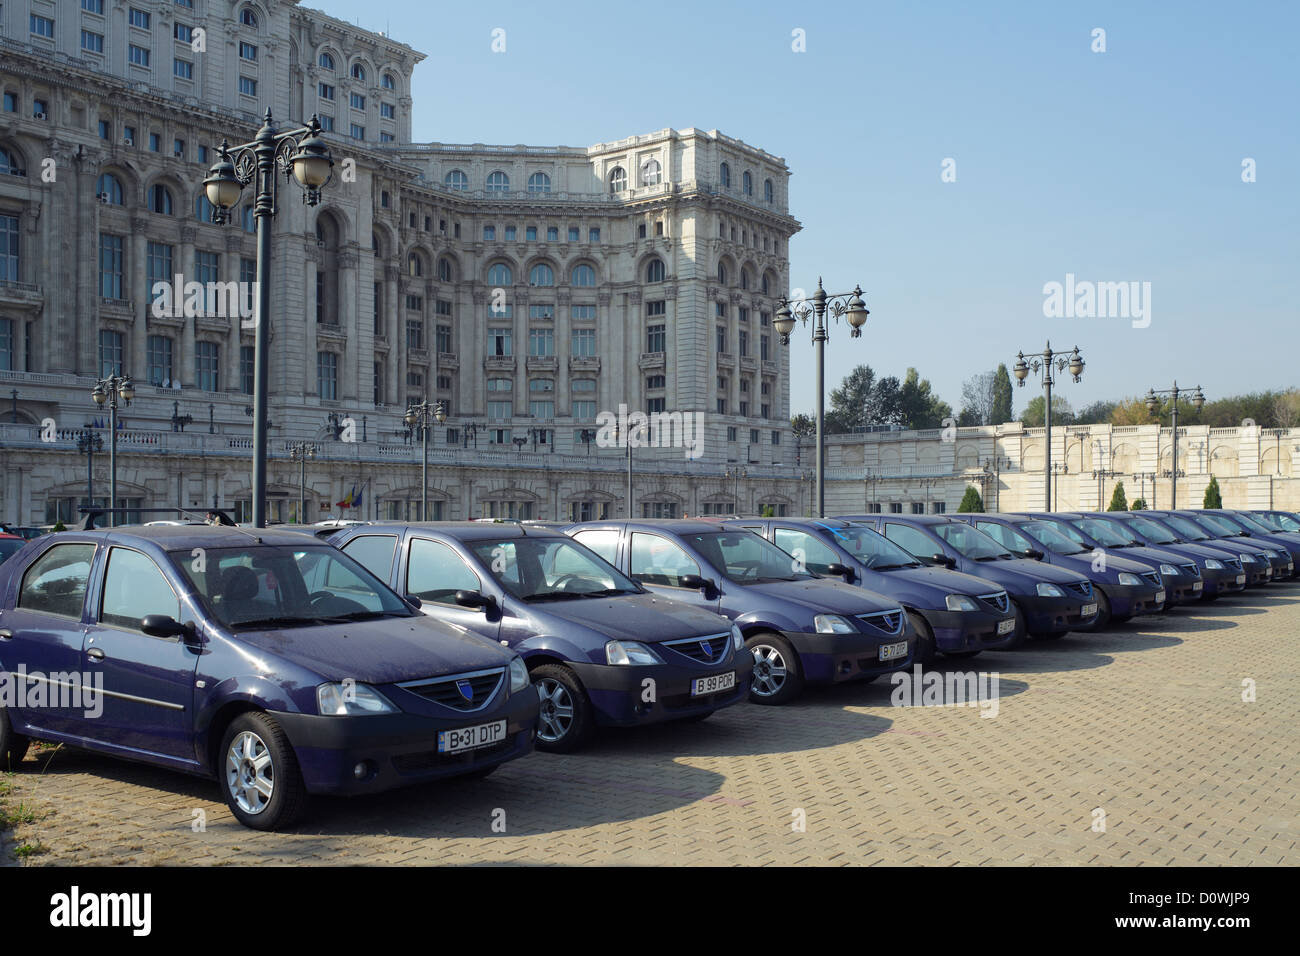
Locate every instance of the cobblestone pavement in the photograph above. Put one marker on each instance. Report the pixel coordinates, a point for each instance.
(1128, 747)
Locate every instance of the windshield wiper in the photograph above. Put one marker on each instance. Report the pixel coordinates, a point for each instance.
(556, 596)
(607, 592)
(278, 622)
(359, 616)
(893, 567)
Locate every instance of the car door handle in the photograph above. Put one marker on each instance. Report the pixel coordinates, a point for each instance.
(6, 635)
(95, 654)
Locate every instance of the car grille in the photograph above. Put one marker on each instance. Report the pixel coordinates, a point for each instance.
(1081, 587)
(891, 622)
(998, 600)
(1152, 577)
(1191, 569)
(708, 649)
(1233, 563)
(465, 692)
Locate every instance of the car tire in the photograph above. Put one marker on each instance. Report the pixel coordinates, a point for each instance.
(13, 745)
(925, 650)
(252, 745)
(1103, 611)
(1021, 633)
(566, 721)
(778, 676)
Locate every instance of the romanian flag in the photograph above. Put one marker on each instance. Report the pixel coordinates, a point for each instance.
(351, 501)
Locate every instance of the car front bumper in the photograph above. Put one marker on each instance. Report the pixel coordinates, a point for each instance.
(1056, 615)
(969, 630)
(650, 693)
(834, 658)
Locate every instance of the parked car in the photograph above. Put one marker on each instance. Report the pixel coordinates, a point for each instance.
(1247, 525)
(952, 613)
(10, 544)
(270, 661)
(1123, 588)
(1179, 572)
(1256, 561)
(1221, 569)
(1279, 520)
(799, 628)
(23, 532)
(591, 637)
(1048, 602)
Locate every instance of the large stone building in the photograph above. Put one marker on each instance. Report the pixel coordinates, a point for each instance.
(527, 288)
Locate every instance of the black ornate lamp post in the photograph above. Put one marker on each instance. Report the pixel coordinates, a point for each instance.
(629, 465)
(421, 416)
(1058, 468)
(302, 452)
(1154, 401)
(1143, 477)
(587, 436)
(848, 305)
(873, 480)
(13, 412)
(735, 474)
(1043, 364)
(87, 444)
(301, 154)
(111, 391)
(467, 432)
(178, 420)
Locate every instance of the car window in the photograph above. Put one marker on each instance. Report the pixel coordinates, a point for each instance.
(1105, 533)
(971, 542)
(817, 556)
(56, 581)
(1154, 531)
(1009, 538)
(912, 541)
(873, 549)
(745, 558)
(374, 552)
(656, 560)
(550, 568)
(603, 541)
(133, 588)
(434, 572)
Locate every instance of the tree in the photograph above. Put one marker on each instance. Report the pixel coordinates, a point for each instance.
(1000, 414)
(977, 399)
(858, 401)
(971, 502)
(1212, 497)
(1117, 500)
(1286, 408)
(768, 511)
(803, 425)
(1131, 411)
(918, 406)
(1062, 413)
(1098, 413)
(1139, 504)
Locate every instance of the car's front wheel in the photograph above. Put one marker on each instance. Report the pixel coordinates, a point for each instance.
(777, 674)
(13, 745)
(565, 721)
(924, 651)
(259, 773)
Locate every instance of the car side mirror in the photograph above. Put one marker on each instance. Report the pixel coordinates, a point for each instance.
(414, 602)
(695, 581)
(941, 559)
(475, 599)
(842, 570)
(164, 625)
(1034, 553)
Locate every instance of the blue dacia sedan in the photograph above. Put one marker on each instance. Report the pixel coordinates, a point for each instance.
(267, 660)
(600, 648)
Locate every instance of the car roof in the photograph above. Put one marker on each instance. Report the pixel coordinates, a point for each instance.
(460, 530)
(801, 522)
(172, 537)
(915, 519)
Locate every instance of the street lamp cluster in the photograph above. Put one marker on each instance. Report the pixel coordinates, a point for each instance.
(111, 391)
(1154, 403)
(422, 416)
(1042, 364)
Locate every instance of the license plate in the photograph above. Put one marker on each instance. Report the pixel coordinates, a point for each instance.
(1241, 579)
(1007, 626)
(711, 685)
(471, 738)
(1198, 585)
(1160, 596)
(1088, 610)
(890, 652)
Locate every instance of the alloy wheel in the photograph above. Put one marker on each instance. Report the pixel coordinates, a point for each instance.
(250, 772)
(556, 716)
(770, 670)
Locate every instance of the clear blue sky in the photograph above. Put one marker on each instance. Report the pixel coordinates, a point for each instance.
(1123, 165)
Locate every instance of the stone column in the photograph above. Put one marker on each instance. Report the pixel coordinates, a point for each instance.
(184, 265)
(137, 267)
(563, 350)
(230, 273)
(394, 391)
(349, 315)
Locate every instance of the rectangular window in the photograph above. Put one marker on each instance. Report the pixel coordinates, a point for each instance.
(93, 6)
(552, 233)
(744, 411)
(184, 32)
(442, 338)
(42, 26)
(584, 343)
(138, 55)
(207, 365)
(731, 433)
(158, 265)
(499, 410)
(158, 360)
(248, 283)
(205, 272)
(531, 233)
(9, 271)
(247, 51)
(92, 42)
(110, 266)
(415, 333)
(722, 338)
(584, 411)
(155, 142)
(742, 314)
(11, 103)
(105, 129)
(415, 303)
(510, 233)
(327, 376)
(655, 338)
(654, 405)
(499, 342)
(6, 345)
(542, 410)
(742, 342)
(582, 312)
(203, 154)
(722, 406)
(593, 235)
(765, 411)
(776, 437)
(574, 233)
(246, 367)
(247, 86)
(138, 18)
(357, 132)
(753, 436)
(326, 91)
(489, 233)
(541, 342)
(720, 309)
(183, 69)
(388, 138)
(656, 309)
(327, 123)
(542, 313)
(764, 348)
(386, 110)
(358, 101)
(110, 353)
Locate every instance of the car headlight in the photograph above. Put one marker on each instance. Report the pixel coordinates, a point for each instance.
(1275, 554)
(1049, 590)
(1247, 559)
(629, 653)
(737, 639)
(1169, 571)
(960, 602)
(832, 624)
(1128, 578)
(350, 699)
(1213, 564)
(518, 675)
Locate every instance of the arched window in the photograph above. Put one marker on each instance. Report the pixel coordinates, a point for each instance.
(248, 219)
(108, 188)
(414, 265)
(747, 183)
(326, 62)
(722, 273)
(456, 179)
(651, 173)
(617, 179)
(387, 82)
(724, 175)
(444, 269)
(374, 243)
(767, 190)
(9, 163)
(498, 182)
(500, 275)
(541, 274)
(654, 271)
(767, 286)
(583, 275)
(744, 279)
(160, 199)
(248, 18)
(358, 72)
(539, 183)
(203, 209)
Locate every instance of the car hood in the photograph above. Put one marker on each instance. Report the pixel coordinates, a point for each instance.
(382, 651)
(820, 595)
(633, 617)
(1116, 561)
(1028, 572)
(953, 582)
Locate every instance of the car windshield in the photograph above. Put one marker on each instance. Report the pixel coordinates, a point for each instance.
(549, 568)
(1155, 531)
(1107, 534)
(745, 558)
(873, 550)
(1279, 522)
(270, 586)
(971, 542)
(1253, 524)
(1189, 530)
(1049, 534)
